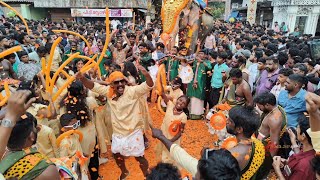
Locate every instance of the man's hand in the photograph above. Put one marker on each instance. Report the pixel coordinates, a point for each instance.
(17, 105)
(79, 76)
(276, 162)
(292, 136)
(142, 69)
(313, 103)
(156, 133)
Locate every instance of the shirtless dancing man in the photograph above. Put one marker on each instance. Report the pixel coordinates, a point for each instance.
(274, 121)
(239, 92)
(127, 121)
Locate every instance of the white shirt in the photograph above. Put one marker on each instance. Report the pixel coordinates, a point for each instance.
(253, 74)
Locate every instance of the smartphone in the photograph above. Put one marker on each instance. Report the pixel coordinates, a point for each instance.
(287, 170)
(208, 153)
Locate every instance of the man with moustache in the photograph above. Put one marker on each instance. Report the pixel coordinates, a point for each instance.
(127, 121)
(269, 76)
(6, 68)
(249, 152)
(21, 161)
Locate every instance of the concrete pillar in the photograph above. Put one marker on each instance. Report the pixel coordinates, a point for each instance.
(227, 10)
(312, 21)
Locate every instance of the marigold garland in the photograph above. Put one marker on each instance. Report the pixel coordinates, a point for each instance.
(68, 133)
(229, 142)
(174, 127)
(170, 12)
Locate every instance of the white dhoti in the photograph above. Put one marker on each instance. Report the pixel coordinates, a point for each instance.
(196, 106)
(131, 145)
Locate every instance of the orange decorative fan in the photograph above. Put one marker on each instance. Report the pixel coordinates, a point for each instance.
(218, 121)
(174, 127)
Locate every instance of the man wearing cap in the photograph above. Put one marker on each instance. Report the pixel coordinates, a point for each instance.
(127, 121)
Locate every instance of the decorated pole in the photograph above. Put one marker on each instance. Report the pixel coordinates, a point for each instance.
(10, 51)
(75, 34)
(18, 14)
(47, 73)
(106, 43)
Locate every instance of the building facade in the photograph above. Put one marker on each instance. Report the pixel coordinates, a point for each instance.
(57, 10)
(303, 14)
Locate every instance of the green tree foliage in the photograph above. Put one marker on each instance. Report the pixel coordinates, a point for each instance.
(217, 9)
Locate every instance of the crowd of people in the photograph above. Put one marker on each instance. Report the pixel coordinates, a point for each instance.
(268, 78)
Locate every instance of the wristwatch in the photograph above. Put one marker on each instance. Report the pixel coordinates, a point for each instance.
(7, 123)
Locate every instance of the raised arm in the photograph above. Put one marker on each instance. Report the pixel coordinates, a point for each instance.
(86, 82)
(16, 107)
(313, 107)
(149, 80)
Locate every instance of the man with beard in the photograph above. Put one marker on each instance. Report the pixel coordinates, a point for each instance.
(6, 69)
(269, 76)
(21, 160)
(250, 153)
(239, 92)
(127, 121)
(293, 98)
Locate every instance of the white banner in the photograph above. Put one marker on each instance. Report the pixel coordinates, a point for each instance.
(252, 11)
(101, 12)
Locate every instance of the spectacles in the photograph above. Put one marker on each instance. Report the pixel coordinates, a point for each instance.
(120, 81)
(75, 125)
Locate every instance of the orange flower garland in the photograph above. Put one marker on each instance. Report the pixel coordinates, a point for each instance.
(68, 133)
(218, 121)
(229, 143)
(174, 127)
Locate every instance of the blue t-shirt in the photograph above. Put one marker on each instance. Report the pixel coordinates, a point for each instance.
(294, 106)
(216, 80)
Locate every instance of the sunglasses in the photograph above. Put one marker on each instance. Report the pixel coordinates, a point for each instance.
(120, 81)
(74, 126)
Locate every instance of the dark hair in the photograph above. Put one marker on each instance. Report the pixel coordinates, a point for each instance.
(298, 78)
(143, 45)
(294, 52)
(304, 125)
(286, 71)
(22, 53)
(301, 67)
(214, 54)
(130, 69)
(246, 118)
(21, 131)
(223, 55)
(30, 86)
(21, 37)
(266, 98)
(164, 171)
(274, 59)
(65, 119)
(283, 58)
(107, 62)
(258, 54)
(221, 164)
(310, 62)
(255, 43)
(315, 163)
(42, 49)
(76, 102)
(262, 60)
(235, 72)
(272, 47)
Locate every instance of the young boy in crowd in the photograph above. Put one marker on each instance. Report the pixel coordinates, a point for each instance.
(27, 69)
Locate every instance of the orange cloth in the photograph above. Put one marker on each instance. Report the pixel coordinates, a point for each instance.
(114, 76)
